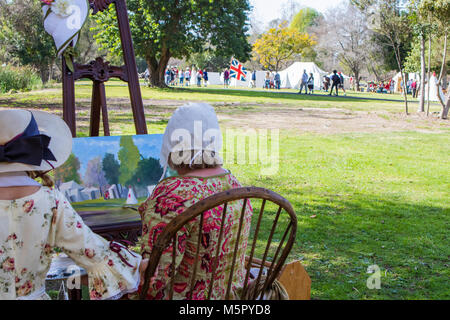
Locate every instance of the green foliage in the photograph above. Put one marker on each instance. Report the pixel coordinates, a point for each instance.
(162, 29)
(111, 168)
(23, 34)
(209, 60)
(129, 158)
(69, 170)
(304, 19)
(18, 78)
(412, 63)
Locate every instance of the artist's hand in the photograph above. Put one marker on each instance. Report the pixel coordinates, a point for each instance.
(142, 268)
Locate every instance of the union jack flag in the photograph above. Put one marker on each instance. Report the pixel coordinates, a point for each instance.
(237, 70)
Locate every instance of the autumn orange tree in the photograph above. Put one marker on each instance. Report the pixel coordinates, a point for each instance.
(278, 45)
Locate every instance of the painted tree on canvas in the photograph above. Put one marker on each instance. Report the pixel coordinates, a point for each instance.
(94, 176)
(129, 158)
(111, 168)
(69, 170)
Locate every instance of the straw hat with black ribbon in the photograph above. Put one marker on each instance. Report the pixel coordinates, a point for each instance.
(32, 141)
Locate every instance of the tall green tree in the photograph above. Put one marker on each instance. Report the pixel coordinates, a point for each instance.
(162, 29)
(24, 37)
(386, 18)
(129, 159)
(111, 167)
(439, 12)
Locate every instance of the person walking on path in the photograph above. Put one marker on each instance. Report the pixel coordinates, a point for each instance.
(326, 83)
(253, 81)
(226, 78)
(205, 77)
(414, 88)
(311, 83)
(181, 77)
(187, 77)
(304, 83)
(277, 79)
(336, 81)
(267, 81)
(199, 77)
(341, 84)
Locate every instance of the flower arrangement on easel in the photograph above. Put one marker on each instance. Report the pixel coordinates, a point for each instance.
(63, 20)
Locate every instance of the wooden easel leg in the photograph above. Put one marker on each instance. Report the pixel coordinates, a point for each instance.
(130, 63)
(69, 99)
(102, 96)
(94, 126)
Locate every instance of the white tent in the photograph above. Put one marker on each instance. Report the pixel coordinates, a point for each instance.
(398, 80)
(292, 76)
(131, 198)
(433, 90)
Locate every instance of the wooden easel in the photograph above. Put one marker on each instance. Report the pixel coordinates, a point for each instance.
(99, 72)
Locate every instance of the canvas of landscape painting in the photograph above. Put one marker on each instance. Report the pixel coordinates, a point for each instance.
(110, 175)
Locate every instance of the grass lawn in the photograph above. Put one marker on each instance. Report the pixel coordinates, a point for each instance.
(378, 199)
(362, 198)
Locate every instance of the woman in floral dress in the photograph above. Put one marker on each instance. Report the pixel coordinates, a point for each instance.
(36, 218)
(200, 175)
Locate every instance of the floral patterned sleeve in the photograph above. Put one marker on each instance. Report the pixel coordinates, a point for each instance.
(159, 210)
(112, 269)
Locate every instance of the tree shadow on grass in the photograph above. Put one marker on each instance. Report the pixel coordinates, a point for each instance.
(271, 95)
(408, 241)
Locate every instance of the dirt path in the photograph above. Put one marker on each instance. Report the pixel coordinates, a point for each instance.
(270, 116)
(331, 121)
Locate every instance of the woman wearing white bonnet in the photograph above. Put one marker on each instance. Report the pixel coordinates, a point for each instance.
(191, 146)
(36, 218)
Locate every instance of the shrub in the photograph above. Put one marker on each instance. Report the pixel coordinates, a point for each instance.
(18, 78)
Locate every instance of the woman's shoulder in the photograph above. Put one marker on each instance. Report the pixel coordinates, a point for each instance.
(183, 183)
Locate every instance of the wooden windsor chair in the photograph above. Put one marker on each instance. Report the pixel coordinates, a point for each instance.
(271, 265)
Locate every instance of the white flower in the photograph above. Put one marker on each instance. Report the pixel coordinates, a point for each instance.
(62, 7)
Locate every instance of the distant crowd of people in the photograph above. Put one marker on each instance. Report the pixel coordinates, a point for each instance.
(272, 80)
(412, 87)
(176, 77)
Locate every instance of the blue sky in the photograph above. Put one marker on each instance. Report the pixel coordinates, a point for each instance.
(267, 10)
(88, 148)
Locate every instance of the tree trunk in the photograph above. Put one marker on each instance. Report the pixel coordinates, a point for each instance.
(445, 104)
(422, 75)
(43, 74)
(405, 92)
(357, 81)
(446, 107)
(429, 75)
(157, 70)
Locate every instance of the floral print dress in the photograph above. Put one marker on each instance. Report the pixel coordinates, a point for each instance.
(169, 199)
(32, 226)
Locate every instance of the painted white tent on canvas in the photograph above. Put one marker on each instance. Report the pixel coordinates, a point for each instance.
(131, 198)
(292, 76)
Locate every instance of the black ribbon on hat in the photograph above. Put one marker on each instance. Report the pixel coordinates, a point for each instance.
(30, 147)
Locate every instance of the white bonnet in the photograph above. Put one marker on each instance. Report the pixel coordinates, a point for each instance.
(193, 126)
